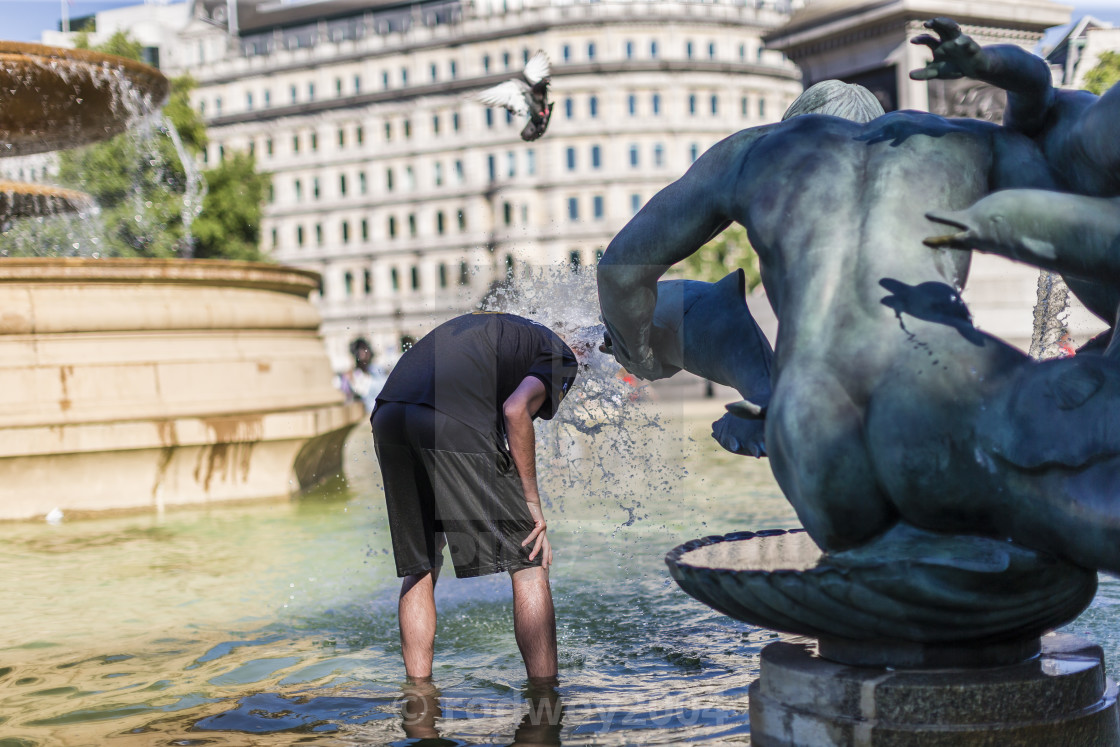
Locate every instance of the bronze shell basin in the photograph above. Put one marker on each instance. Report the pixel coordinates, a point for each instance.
(57, 98)
(908, 587)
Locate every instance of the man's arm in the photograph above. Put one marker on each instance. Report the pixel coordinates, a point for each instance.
(675, 223)
(1025, 77)
(518, 413)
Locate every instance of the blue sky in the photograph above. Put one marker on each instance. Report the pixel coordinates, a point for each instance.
(25, 20)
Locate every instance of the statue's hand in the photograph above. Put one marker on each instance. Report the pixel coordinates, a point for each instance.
(740, 436)
(955, 55)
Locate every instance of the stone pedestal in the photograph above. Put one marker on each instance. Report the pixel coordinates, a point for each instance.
(1060, 697)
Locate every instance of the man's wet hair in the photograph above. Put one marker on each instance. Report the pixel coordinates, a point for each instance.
(838, 99)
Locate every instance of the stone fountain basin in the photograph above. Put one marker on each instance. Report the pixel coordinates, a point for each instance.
(131, 384)
(908, 592)
(57, 98)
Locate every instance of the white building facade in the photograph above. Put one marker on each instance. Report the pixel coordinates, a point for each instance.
(411, 199)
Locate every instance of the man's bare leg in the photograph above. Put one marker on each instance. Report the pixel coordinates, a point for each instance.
(417, 614)
(534, 622)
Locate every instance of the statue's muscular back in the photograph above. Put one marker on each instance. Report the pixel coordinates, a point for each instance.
(834, 209)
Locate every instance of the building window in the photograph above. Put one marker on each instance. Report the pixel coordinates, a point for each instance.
(358, 135)
(711, 50)
(596, 157)
(295, 143)
(345, 232)
(593, 106)
(268, 146)
(218, 106)
(341, 138)
(455, 121)
(507, 213)
(715, 104)
(464, 274)
(384, 78)
(505, 60)
(342, 185)
(267, 98)
(530, 162)
(688, 50)
(629, 50)
(597, 207)
(453, 69)
(568, 108)
(348, 283)
(509, 265)
(412, 225)
(573, 208)
(489, 117)
(440, 223)
(407, 129)
(655, 104)
(388, 131)
(415, 273)
(459, 177)
(442, 275)
(761, 107)
(632, 104)
(743, 105)
(653, 49)
(635, 203)
(634, 155)
(485, 63)
(435, 124)
(742, 53)
(338, 86)
(299, 190)
(566, 52)
(315, 192)
(434, 72)
(318, 234)
(575, 259)
(511, 164)
(249, 101)
(693, 152)
(362, 186)
(404, 76)
(591, 50)
(492, 167)
(365, 230)
(299, 235)
(292, 91)
(571, 158)
(310, 91)
(392, 227)
(395, 278)
(357, 84)
(659, 155)
(438, 174)
(691, 103)
(314, 141)
(275, 238)
(388, 180)
(462, 221)
(367, 282)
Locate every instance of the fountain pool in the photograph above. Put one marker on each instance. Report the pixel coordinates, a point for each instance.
(275, 623)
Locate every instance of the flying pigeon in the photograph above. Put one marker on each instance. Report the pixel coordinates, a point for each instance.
(526, 95)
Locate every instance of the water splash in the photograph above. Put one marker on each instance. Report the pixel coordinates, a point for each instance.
(1050, 313)
(195, 188)
(609, 446)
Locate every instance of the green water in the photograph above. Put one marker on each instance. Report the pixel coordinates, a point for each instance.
(275, 623)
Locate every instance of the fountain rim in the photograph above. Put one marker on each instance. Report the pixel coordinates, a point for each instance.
(209, 272)
(23, 50)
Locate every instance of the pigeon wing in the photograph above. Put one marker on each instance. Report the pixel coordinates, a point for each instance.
(510, 94)
(537, 68)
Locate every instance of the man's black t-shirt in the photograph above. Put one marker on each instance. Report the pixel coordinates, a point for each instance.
(468, 367)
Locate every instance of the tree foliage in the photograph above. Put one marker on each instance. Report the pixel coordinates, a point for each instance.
(229, 225)
(1105, 74)
(728, 251)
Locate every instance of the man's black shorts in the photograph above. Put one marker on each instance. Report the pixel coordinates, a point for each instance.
(443, 477)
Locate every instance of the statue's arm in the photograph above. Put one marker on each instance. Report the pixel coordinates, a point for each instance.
(1025, 77)
(674, 224)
